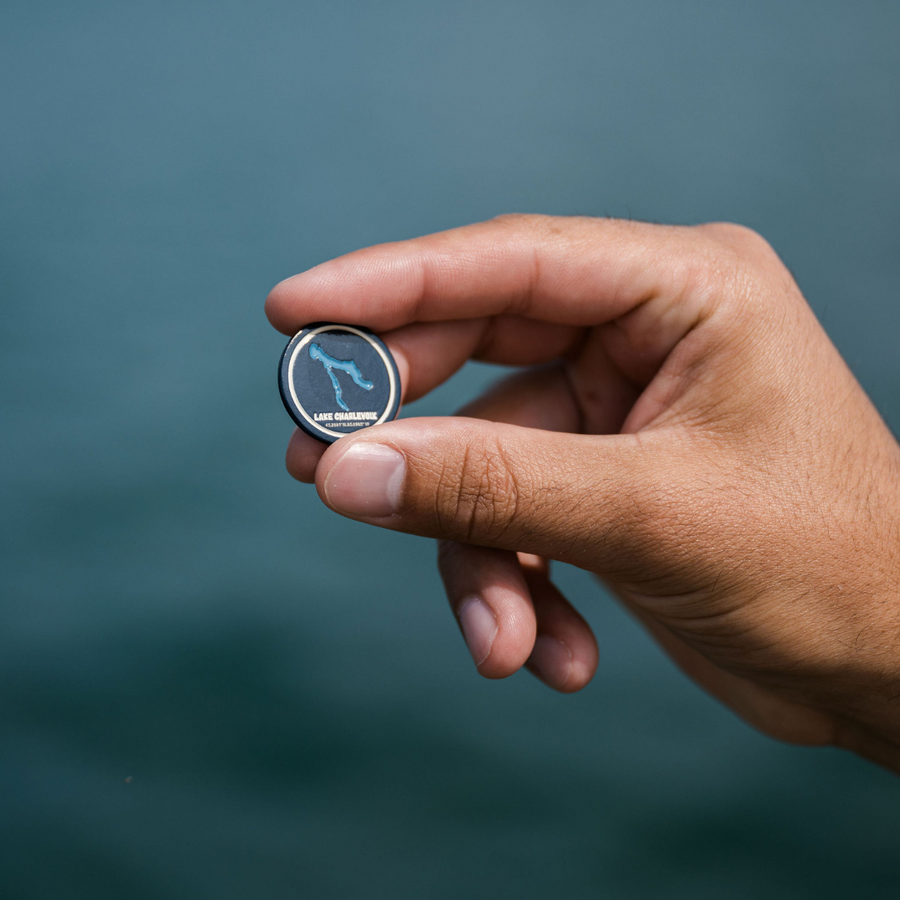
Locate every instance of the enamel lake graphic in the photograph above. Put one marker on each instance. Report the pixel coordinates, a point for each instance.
(343, 365)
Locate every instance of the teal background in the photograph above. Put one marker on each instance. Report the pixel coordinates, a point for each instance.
(199, 696)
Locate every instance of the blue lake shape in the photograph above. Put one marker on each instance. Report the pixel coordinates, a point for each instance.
(342, 365)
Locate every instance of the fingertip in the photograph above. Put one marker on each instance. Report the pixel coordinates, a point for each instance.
(303, 455)
(559, 666)
(491, 603)
(479, 626)
(580, 675)
(289, 305)
(511, 644)
(276, 309)
(551, 661)
(511, 615)
(565, 653)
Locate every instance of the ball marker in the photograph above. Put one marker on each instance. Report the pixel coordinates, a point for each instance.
(337, 379)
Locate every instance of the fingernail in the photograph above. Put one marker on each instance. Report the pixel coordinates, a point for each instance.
(551, 660)
(479, 628)
(366, 481)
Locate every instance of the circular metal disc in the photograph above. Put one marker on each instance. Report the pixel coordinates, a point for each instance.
(337, 379)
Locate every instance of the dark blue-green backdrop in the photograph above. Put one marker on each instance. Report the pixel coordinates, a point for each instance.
(190, 707)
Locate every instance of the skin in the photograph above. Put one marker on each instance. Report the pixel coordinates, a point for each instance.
(681, 426)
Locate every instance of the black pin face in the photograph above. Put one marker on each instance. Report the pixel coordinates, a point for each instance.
(336, 379)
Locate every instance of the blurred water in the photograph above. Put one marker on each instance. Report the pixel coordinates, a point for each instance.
(189, 708)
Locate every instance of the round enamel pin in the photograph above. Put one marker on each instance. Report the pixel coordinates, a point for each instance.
(336, 379)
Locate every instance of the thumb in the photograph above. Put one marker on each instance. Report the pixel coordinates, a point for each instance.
(598, 501)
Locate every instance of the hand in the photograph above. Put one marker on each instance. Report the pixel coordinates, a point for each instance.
(681, 426)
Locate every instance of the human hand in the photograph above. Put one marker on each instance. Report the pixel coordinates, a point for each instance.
(682, 427)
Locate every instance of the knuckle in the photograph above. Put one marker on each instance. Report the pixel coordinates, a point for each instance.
(735, 268)
(738, 247)
(478, 499)
(732, 234)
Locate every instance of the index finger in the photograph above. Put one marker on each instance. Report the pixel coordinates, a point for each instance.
(571, 271)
